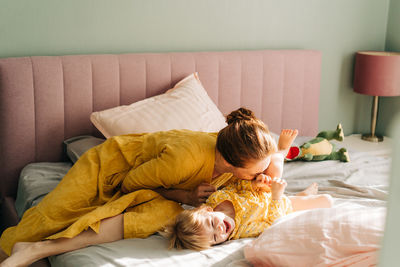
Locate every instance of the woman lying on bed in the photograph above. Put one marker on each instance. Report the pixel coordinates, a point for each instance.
(107, 196)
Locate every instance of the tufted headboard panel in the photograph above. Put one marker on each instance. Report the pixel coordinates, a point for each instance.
(44, 100)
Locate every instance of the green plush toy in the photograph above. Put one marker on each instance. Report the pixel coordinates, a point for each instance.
(320, 148)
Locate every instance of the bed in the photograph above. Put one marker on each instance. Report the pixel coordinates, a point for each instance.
(45, 101)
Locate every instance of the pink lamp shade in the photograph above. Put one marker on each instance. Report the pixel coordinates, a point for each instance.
(377, 73)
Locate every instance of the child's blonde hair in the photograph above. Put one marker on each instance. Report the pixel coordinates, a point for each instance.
(187, 230)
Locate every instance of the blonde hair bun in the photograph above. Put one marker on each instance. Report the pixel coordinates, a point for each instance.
(241, 114)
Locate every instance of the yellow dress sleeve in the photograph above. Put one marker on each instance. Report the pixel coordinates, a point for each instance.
(173, 159)
(169, 168)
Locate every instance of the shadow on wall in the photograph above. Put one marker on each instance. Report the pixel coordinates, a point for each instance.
(389, 255)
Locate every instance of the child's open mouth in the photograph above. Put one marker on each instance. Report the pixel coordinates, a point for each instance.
(227, 227)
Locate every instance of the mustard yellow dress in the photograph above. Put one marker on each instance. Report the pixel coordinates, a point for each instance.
(254, 211)
(90, 191)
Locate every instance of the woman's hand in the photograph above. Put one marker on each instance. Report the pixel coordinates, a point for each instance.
(194, 197)
(262, 183)
(199, 195)
(278, 186)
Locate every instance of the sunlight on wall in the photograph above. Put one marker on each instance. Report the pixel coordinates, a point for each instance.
(390, 252)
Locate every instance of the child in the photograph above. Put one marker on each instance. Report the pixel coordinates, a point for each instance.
(239, 210)
(244, 208)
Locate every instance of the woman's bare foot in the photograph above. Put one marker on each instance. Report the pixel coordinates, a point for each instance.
(20, 246)
(3, 255)
(21, 255)
(310, 190)
(286, 139)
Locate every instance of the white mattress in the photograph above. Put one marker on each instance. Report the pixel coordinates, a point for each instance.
(363, 182)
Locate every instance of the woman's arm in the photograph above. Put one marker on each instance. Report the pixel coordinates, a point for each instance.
(157, 172)
(194, 197)
(169, 166)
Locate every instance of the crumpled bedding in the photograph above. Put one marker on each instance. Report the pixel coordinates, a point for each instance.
(348, 234)
(361, 183)
(37, 180)
(321, 237)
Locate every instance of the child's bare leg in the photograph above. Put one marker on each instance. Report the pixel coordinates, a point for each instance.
(311, 202)
(286, 139)
(310, 190)
(275, 168)
(25, 253)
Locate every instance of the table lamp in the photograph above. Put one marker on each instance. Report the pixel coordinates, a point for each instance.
(376, 74)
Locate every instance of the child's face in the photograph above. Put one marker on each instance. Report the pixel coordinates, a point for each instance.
(218, 226)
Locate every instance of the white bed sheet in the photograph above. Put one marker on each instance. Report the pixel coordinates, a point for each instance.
(363, 182)
(151, 251)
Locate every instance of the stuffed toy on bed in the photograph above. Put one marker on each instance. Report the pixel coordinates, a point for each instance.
(319, 148)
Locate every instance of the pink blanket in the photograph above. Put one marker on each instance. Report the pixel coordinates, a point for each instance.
(321, 237)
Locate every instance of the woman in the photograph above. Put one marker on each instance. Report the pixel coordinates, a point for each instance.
(112, 191)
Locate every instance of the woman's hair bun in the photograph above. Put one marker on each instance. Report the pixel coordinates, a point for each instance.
(241, 114)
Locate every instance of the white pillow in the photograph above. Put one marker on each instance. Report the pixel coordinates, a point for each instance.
(321, 237)
(186, 106)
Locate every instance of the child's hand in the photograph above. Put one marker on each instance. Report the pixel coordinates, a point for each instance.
(278, 186)
(262, 183)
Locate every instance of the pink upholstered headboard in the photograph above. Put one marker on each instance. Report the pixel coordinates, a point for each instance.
(44, 100)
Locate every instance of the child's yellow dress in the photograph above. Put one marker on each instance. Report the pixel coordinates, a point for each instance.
(90, 191)
(254, 211)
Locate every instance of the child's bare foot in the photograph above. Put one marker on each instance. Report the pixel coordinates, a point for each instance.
(286, 138)
(310, 190)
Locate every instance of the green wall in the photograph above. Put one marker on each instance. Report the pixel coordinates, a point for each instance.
(390, 105)
(389, 255)
(390, 119)
(337, 28)
(390, 112)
